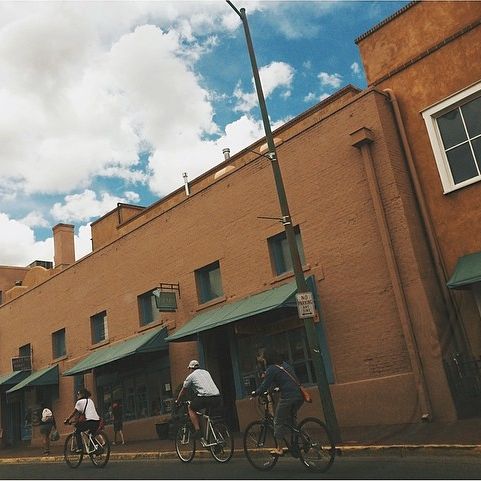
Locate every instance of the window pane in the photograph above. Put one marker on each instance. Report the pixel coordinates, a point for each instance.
(477, 151)
(148, 308)
(462, 163)
(209, 282)
(451, 129)
(58, 343)
(472, 117)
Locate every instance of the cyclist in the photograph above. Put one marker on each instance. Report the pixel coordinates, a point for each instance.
(87, 418)
(205, 394)
(278, 374)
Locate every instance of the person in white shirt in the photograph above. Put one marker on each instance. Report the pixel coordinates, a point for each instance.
(85, 413)
(206, 394)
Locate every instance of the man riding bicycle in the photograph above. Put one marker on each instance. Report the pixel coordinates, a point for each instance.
(281, 374)
(206, 394)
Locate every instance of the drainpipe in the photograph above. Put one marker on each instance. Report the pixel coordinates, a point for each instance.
(362, 139)
(460, 337)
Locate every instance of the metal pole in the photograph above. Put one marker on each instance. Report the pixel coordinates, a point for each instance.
(316, 356)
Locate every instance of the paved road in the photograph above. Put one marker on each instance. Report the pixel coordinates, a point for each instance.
(356, 467)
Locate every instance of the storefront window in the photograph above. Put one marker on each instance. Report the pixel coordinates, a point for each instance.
(144, 390)
(290, 344)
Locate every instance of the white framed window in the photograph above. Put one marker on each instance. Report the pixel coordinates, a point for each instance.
(454, 129)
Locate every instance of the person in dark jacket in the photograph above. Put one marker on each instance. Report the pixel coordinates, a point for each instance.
(47, 423)
(280, 374)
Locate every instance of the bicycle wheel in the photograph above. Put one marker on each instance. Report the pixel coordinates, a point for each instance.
(316, 448)
(101, 456)
(185, 443)
(72, 458)
(259, 440)
(224, 449)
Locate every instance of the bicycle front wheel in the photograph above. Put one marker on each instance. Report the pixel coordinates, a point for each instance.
(224, 449)
(185, 443)
(72, 458)
(259, 440)
(100, 457)
(316, 447)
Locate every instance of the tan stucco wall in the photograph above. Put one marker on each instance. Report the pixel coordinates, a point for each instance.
(449, 69)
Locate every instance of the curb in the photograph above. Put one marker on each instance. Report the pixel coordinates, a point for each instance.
(364, 450)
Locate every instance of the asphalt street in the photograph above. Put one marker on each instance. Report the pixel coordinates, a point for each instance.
(355, 467)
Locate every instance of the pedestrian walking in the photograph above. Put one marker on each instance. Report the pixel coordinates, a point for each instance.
(117, 415)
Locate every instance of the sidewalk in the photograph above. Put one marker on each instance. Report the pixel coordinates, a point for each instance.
(456, 438)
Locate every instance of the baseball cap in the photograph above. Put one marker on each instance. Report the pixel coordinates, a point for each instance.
(193, 364)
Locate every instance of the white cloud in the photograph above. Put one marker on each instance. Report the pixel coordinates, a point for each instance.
(330, 80)
(18, 245)
(35, 219)
(83, 241)
(273, 76)
(87, 205)
(356, 70)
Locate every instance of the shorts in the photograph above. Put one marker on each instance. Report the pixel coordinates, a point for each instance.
(206, 402)
(118, 425)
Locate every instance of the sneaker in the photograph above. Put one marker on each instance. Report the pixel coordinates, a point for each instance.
(78, 451)
(46, 453)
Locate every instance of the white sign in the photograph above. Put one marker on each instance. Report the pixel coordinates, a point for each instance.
(305, 305)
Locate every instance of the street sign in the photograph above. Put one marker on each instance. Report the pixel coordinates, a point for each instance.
(305, 305)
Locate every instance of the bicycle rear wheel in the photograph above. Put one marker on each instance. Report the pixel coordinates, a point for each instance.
(259, 440)
(72, 458)
(316, 447)
(185, 443)
(224, 449)
(101, 456)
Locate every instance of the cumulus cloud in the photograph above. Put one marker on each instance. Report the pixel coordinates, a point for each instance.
(88, 204)
(273, 76)
(18, 244)
(330, 80)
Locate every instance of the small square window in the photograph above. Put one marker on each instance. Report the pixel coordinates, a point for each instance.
(454, 129)
(280, 253)
(98, 327)
(209, 283)
(58, 344)
(148, 308)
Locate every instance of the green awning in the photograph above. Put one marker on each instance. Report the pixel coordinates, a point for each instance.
(283, 296)
(44, 377)
(150, 341)
(12, 378)
(466, 272)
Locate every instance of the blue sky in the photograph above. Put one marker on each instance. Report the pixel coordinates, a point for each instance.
(106, 102)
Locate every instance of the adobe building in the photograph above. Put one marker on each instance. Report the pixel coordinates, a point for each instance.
(426, 57)
(204, 273)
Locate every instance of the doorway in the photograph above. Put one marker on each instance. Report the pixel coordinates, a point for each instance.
(219, 363)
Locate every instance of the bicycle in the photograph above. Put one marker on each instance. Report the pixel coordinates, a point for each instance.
(96, 445)
(217, 438)
(310, 441)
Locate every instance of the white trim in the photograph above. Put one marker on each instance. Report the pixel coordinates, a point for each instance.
(430, 115)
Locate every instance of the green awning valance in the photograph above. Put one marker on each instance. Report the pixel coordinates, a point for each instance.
(13, 377)
(466, 272)
(283, 296)
(148, 342)
(44, 377)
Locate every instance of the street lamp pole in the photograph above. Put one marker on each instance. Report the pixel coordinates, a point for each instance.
(322, 382)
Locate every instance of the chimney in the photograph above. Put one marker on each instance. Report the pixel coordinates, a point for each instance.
(226, 153)
(63, 245)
